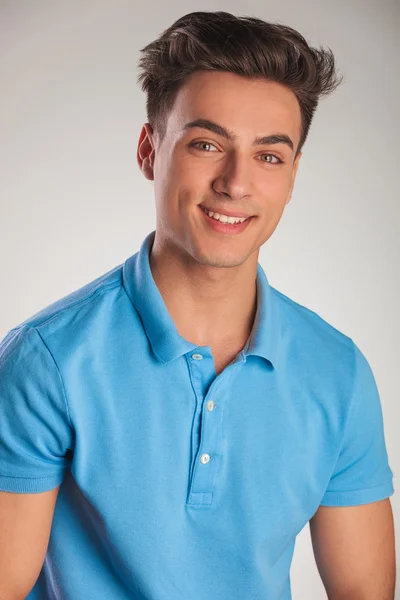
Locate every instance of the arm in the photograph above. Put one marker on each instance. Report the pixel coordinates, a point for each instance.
(36, 440)
(354, 549)
(25, 524)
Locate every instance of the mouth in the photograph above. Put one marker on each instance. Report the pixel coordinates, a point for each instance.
(226, 217)
(227, 225)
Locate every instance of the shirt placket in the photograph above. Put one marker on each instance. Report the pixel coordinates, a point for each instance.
(211, 394)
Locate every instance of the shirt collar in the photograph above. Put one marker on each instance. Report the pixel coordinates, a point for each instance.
(166, 342)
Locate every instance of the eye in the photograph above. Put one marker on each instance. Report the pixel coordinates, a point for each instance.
(195, 145)
(269, 161)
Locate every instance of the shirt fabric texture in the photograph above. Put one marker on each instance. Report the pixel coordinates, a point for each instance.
(176, 484)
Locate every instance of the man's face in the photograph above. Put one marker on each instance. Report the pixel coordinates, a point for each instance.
(195, 167)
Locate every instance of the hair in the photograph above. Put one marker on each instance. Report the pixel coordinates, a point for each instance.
(247, 46)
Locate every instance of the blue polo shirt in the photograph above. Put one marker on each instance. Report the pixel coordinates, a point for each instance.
(177, 484)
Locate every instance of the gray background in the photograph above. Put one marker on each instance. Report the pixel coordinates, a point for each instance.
(74, 204)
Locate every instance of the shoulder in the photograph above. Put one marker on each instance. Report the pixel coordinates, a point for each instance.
(314, 345)
(82, 309)
(302, 319)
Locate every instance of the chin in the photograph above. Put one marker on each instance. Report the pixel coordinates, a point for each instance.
(218, 258)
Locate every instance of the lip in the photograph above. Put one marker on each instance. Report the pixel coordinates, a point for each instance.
(228, 213)
(225, 228)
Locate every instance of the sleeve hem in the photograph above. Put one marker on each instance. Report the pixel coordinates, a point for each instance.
(355, 497)
(26, 485)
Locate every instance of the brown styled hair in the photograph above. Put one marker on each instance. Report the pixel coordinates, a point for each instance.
(247, 46)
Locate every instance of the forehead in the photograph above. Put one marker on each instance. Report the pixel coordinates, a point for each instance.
(246, 106)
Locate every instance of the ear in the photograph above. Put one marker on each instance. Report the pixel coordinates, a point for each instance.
(146, 151)
(294, 172)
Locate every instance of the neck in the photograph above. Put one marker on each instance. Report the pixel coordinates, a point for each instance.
(209, 305)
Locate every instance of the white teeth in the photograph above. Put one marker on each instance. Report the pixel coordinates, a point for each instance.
(223, 218)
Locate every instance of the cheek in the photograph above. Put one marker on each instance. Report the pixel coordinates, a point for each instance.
(192, 176)
(182, 187)
(275, 190)
(174, 197)
(167, 174)
(273, 196)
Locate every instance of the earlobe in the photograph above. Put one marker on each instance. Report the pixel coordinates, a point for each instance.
(147, 167)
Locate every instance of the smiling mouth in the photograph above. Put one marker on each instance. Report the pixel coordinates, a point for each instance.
(222, 218)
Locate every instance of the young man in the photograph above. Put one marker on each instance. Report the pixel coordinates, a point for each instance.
(168, 429)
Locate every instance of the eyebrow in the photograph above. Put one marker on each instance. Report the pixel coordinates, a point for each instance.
(274, 138)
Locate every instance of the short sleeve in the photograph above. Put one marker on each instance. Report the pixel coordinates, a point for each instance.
(35, 431)
(362, 473)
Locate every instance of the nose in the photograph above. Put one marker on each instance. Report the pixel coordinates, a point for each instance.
(234, 179)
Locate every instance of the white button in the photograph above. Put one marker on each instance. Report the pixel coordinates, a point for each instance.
(204, 458)
(210, 405)
(197, 356)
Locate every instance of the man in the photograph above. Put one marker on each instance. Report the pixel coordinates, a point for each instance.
(169, 428)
